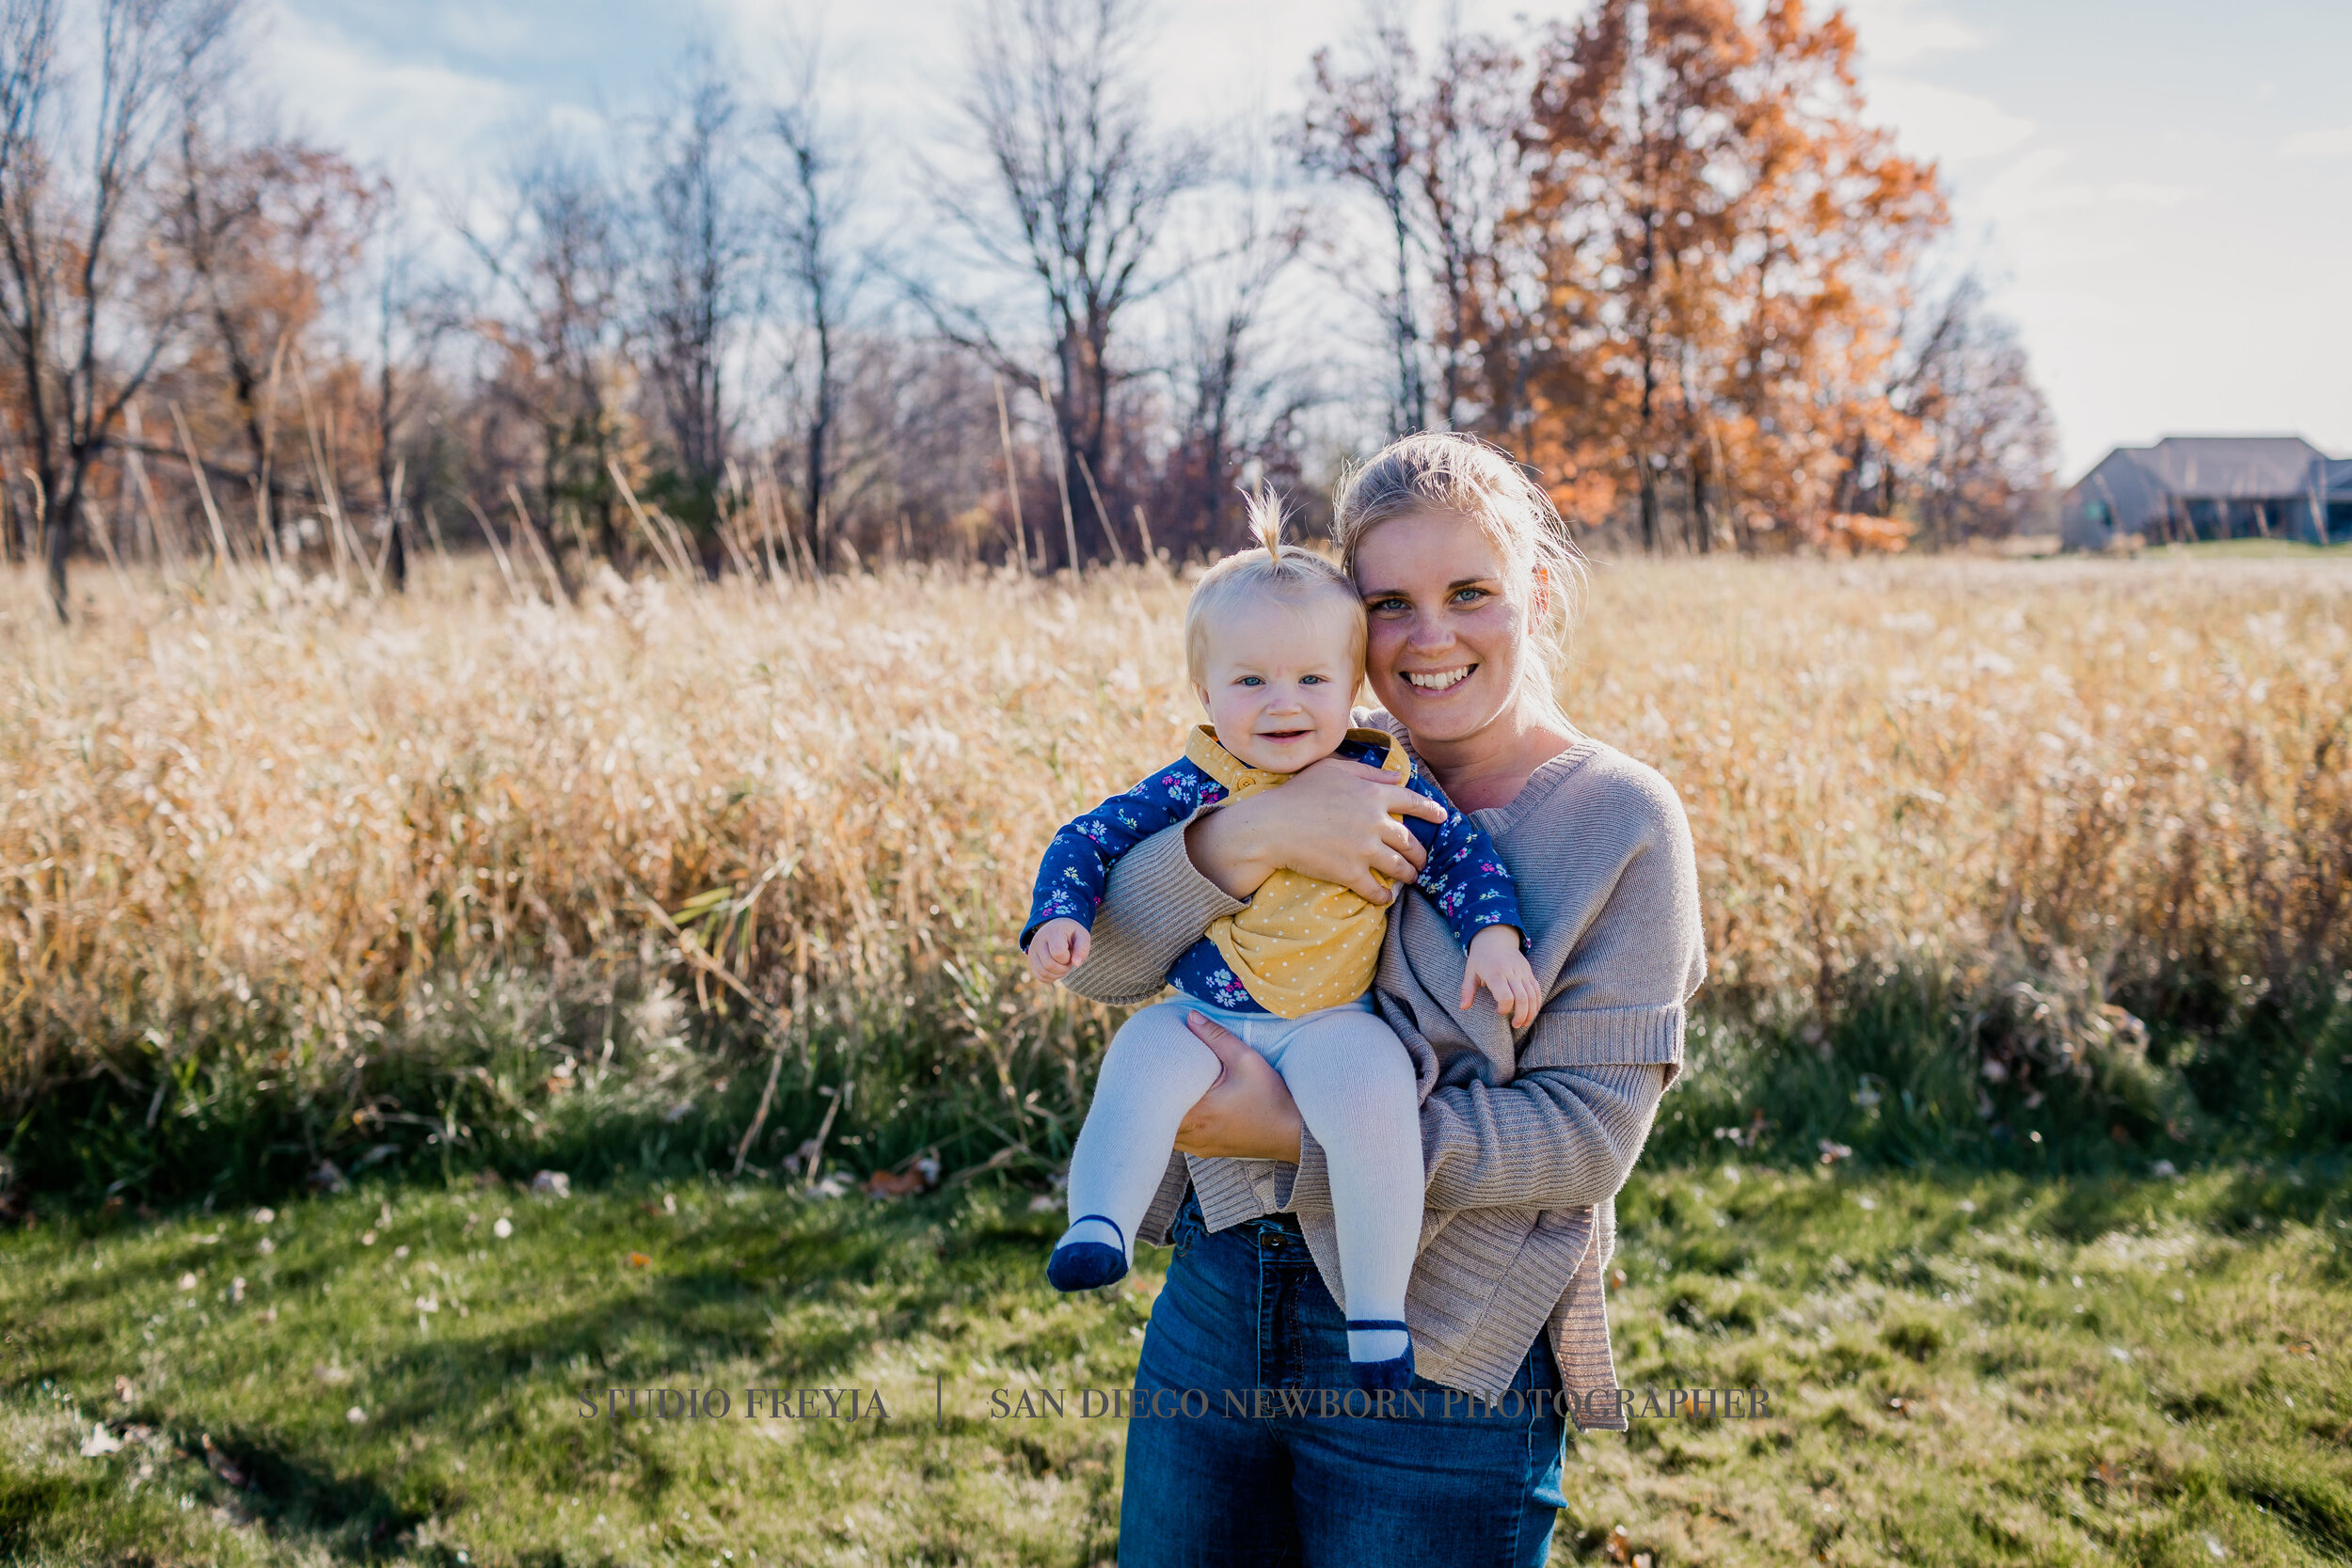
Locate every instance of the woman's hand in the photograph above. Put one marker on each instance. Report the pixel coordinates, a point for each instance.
(1248, 1113)
(1335, 821)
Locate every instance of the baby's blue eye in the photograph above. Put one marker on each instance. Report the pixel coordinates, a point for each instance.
(1250, 680)
(1311, 680)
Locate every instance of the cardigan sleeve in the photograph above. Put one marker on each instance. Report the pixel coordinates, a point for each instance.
(1155, 906)
(1560, 1138)
(1564, 1130)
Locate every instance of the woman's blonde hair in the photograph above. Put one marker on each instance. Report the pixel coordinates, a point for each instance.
(1273, 570)
(1450, 471)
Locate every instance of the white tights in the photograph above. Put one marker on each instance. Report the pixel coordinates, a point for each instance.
(1354, 1084)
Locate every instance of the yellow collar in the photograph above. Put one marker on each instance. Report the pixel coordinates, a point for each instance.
(1206, 753)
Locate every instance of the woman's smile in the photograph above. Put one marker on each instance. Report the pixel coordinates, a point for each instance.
(1447, 630)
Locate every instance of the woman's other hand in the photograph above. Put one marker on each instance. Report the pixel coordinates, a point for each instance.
(1248, 1113)
(1336, 821)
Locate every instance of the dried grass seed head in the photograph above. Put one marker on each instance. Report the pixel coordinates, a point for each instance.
(1285, 573)
(1454, 472)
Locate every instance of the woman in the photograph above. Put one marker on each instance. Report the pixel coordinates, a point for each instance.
(1468, 580)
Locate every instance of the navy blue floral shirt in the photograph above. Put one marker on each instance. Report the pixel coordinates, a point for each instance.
(1463, 876)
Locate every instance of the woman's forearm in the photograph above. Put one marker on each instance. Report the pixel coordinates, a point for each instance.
(1556, 1138)
(1231, 848)
(1559, 1139)
(1331, 821)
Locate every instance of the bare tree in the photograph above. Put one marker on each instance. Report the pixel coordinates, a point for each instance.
(697, 254)
(417, 312)
(561, 265)
(1444, 154)
(1232, 393)
(88, 308)
(266, 233)
(1359, 130)
(816, 189)
(1082, 187)
(1989, 441)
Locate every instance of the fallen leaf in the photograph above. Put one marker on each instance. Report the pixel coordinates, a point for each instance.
(222, 1466)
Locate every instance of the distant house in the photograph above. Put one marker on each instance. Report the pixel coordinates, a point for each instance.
(2190, 487)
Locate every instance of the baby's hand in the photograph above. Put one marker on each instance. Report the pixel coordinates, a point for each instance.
(1060, 947)
(1497, 963)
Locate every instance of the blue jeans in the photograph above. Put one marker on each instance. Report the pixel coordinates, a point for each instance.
(1265, 1479)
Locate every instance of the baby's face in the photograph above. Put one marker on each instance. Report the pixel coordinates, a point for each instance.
(1280, 680)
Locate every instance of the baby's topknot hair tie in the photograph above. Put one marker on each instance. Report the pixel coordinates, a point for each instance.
(1265, 521)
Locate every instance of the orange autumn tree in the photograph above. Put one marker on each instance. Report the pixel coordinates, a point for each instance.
(263, 235)
(1717, 232)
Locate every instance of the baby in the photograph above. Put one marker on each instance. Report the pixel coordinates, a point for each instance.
(1274, 643)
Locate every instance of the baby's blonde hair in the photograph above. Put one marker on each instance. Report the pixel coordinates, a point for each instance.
(1273, 570)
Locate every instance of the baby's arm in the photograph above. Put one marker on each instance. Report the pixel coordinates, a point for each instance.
(1466, 879)
(1057, 947)
(1077, 863)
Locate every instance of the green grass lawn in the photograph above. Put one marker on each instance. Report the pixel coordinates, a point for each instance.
(1967, 1370)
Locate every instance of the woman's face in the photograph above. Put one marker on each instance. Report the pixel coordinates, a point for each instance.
(1448, 626)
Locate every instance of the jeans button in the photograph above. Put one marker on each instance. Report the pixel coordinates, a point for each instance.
(1274, 1244)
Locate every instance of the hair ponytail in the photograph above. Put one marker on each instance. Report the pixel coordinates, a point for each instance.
(1265, 523)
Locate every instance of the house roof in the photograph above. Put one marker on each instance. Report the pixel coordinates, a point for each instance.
(2245, 465)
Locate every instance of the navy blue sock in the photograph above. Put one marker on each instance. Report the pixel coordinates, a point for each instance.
(1392, 1372)
(1082, 1265)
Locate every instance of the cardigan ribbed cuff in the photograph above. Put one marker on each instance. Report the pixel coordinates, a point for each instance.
(1606, 1036)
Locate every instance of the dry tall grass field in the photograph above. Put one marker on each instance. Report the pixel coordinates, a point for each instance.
(374, 875)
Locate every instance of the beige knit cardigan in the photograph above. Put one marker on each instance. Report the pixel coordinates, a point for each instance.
(1526, 1139)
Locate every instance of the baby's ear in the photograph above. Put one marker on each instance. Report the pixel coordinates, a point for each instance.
(1202, 693)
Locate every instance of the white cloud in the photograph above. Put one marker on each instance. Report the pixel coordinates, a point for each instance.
(1899, 32)
(1940, 122)
(415, 118)
(2142, 193)
(2032, 185)
(2334, 141)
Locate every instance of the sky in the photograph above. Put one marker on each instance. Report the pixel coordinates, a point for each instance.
(2160, 192)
